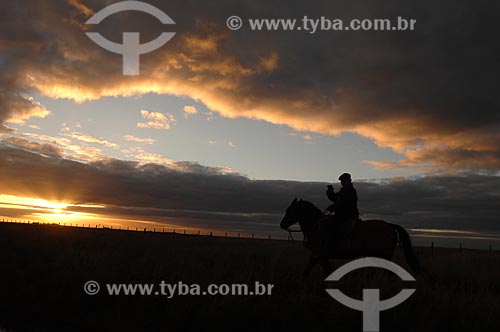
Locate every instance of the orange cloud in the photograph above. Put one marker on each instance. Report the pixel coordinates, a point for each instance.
(22, 109)
(146, 157)
(90, 139)
(82, 8)
(189, 110)
(133, 138)
(157, 120)
(376, 85)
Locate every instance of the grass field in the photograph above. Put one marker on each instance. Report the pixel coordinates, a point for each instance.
(44, 268)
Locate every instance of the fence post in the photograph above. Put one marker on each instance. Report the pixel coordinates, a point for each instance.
(198, 232)
(238, 235)
(432, 248)
(184, 232)
(225, 234)
(269, 236)
(210, 233)
(491, 249)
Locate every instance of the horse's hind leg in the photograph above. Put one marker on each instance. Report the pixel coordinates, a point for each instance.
(312, 263)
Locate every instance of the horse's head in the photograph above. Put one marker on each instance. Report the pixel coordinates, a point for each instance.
(300, 211)
(291, 215)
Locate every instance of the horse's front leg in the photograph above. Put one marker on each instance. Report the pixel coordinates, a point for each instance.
(312, 263)
(325, 263)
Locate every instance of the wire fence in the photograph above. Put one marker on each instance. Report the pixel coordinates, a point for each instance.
(160, 230)
(168, 230)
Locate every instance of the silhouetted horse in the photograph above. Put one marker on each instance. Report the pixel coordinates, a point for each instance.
(373, 238)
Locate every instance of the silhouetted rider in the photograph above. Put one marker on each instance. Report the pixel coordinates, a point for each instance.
(345, 202)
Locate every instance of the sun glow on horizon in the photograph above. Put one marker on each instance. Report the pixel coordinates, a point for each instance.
(47, 210)
(71, 213)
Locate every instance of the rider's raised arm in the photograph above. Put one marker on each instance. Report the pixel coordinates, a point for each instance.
(330, 193)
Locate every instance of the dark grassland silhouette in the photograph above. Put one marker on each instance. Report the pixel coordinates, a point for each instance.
(44, 268)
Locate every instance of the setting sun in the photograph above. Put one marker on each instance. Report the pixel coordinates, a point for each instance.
(48, 211)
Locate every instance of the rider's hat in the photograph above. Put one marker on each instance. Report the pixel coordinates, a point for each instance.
(345, 176)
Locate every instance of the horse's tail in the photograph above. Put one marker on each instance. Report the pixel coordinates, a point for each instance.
(405, 241)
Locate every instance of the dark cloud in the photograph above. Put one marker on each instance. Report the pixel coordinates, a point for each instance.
(159, 193)
(426, 93)
(41, 148)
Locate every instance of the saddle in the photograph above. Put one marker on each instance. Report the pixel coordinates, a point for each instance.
(336, 235)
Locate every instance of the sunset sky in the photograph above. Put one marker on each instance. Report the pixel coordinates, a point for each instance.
(222, 128)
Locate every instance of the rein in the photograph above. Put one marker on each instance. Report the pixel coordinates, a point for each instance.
(290, 231)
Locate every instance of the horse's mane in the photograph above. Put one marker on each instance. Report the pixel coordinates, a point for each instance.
(309, 208)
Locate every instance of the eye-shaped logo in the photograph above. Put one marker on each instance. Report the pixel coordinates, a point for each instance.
(131, 48)
(371, 306)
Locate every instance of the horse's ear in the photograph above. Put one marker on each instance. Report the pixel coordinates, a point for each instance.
(294, 201)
